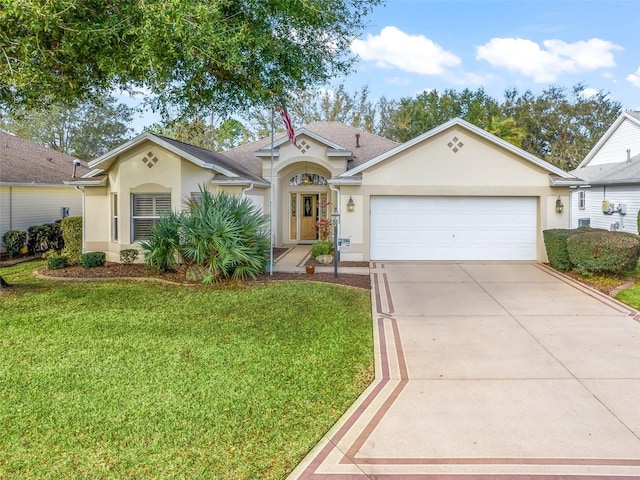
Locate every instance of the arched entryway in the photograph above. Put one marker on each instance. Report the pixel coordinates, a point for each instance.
(308, 199)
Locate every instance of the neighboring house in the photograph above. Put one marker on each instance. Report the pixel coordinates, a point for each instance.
(611, 179)
(453, 193)
(32, 189)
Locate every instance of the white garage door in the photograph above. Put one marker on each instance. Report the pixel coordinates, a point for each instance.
(453, 228)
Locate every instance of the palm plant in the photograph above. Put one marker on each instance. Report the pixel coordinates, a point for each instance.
(225, 234)
(162, 250)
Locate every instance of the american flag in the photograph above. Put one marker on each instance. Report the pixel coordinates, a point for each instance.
(282, 110)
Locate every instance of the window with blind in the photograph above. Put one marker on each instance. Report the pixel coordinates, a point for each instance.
(146, 209)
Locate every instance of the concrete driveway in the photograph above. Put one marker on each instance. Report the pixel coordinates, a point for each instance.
(491, 370)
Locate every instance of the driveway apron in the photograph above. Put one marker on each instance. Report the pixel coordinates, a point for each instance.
(490, 370)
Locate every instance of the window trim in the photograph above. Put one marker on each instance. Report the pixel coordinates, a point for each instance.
(582, 202)
(154, 217)
(114, 210)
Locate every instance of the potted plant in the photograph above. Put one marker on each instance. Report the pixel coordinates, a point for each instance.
(321, 251)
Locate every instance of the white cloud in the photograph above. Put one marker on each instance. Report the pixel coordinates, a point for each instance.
(634, 78)
(412, 53)
(555, 57)
(587, 93)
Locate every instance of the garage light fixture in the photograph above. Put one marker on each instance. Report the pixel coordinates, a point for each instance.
(351, 206)
(559, 205)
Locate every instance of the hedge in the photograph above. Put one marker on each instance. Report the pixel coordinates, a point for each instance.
(72, 235)
(601, 251)
(56, 262)
(92, 259)
(13, 241)
(555, 242)
(41, 238)
(321, 248)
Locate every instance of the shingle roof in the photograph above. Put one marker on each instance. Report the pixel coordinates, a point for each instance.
(213, 158)
(22, 161)
(623, 172)
(371, 145)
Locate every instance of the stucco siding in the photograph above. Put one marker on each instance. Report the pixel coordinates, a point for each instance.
(614, 150)
(628, 195)
(476, 162)
(23, 207)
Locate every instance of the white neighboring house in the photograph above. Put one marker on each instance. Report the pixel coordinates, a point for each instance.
(32, 191)
(609, 197)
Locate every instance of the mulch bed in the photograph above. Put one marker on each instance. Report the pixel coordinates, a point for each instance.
(119, 270)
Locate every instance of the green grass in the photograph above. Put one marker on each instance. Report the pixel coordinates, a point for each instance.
(140, 380)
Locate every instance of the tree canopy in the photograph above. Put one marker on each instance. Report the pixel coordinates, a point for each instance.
(195, 55)
(85, 130)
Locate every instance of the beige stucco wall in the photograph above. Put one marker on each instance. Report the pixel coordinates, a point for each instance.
(432, 168)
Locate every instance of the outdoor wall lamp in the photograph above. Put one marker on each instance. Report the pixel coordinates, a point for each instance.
(351, 206)
(559, 205)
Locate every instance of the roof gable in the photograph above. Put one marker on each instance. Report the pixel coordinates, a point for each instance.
(498, 142)
(201, 157)
(625, 131)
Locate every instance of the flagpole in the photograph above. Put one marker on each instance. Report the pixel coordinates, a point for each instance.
(271, 199)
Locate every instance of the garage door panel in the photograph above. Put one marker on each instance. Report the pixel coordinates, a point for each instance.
(453, 228)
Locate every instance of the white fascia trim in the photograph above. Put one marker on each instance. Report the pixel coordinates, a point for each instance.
(158, 141)
(339, 153)
(87, 183)
(464, 124)
(93, 173)
(610, 131)
(267, 153)
(345, 181)
(563, 182)
(32, 185)
(238, 182)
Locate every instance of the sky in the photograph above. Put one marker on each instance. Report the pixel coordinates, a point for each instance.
(415, 45)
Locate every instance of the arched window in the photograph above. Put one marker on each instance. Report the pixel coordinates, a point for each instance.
(307, 179)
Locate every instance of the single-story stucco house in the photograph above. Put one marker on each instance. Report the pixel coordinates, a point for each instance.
(609, 196)
(32, 188)
(454, 193)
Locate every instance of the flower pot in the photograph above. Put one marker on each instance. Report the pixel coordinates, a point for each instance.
(310, 269)
(326, 259)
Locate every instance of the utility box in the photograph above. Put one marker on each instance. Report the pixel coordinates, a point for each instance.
(65, 212)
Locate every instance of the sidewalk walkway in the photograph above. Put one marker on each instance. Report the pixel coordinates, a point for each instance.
(293, 261)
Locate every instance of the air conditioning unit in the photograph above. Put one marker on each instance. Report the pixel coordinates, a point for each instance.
(584, 222)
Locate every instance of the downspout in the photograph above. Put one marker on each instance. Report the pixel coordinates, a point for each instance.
(10, 208)
(245, 190)
(81, 190)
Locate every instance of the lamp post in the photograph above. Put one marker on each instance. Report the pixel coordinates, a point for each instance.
(335, 219)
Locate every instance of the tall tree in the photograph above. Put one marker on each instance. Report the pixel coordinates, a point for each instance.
(193, 54)
(329, 105)
(85, 131)
(429, 109)
(196, 131)
(562, 124)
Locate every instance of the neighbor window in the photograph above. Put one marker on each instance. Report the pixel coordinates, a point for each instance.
(196, 197)
(146, 210)
(581, 200)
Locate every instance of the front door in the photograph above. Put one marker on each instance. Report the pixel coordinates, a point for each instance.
(309, 216)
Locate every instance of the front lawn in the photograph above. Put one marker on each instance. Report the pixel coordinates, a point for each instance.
(140, 380)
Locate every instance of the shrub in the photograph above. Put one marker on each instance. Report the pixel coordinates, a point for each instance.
(320, 248)
(226, 234)
(555, 242)
(41, 238)
(92, 259)
(13, 241)
(72, 235)
(600, 251)
(128, 255)
(55, 262)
